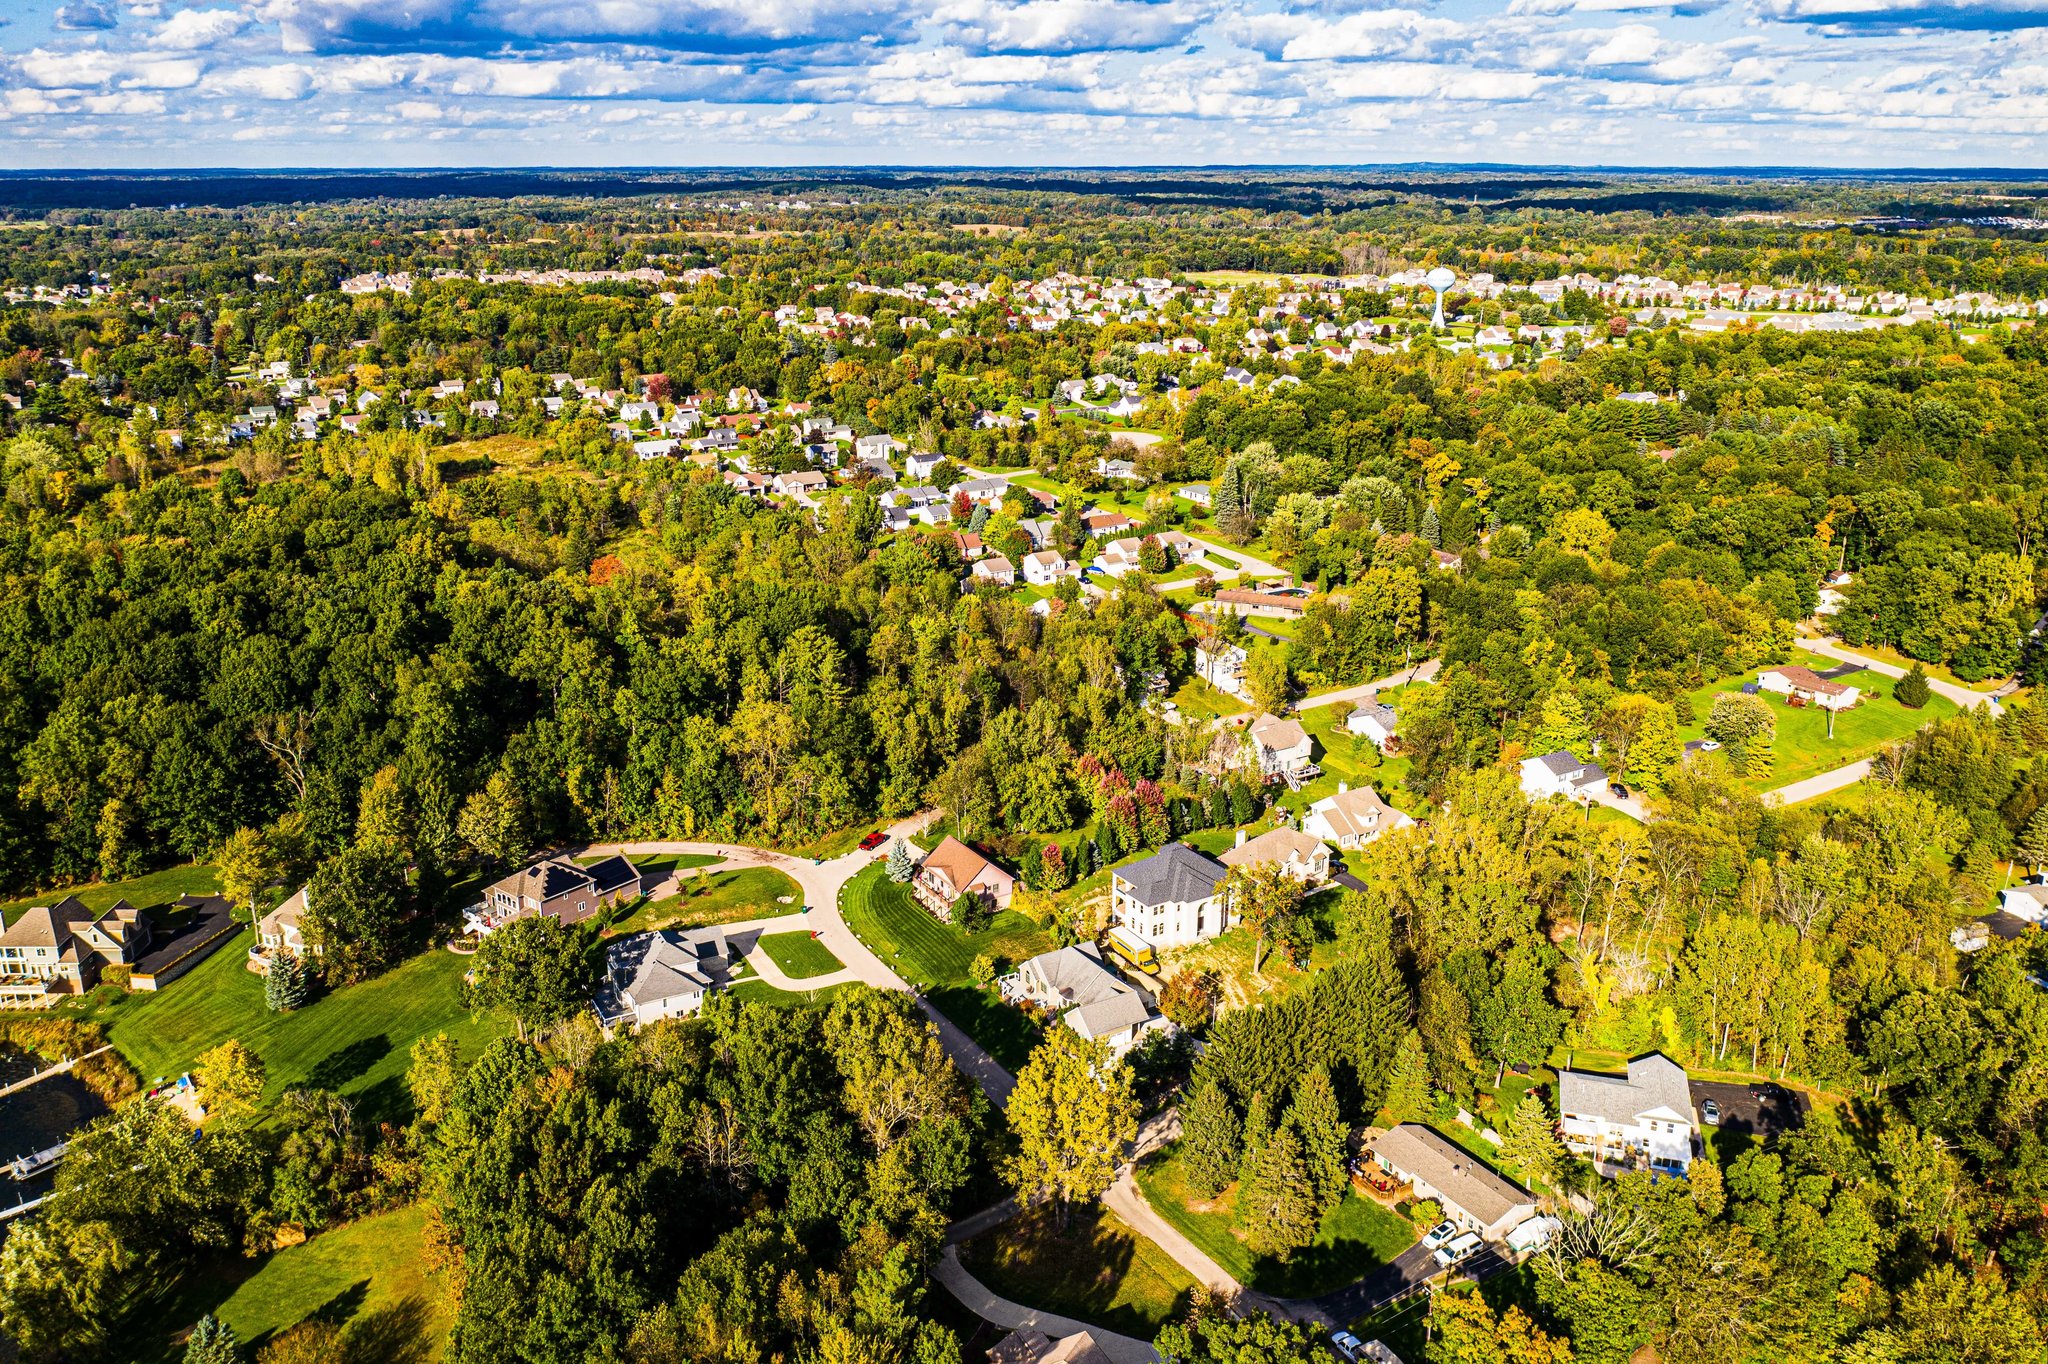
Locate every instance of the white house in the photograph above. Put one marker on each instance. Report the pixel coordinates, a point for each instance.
(1374, 721)
(1089, 998)
(1832, 595)
(920, 464)
(1303, 856)
(1352, 818)
(666, 974)
(1643, 1118)
(1560, 774)
(877, 447)
(1044, 568)
(2029, 902)
(1278, 750)
(1807, 685)
(995, 569)
(1223, 669)
(1171, 898)
(1470, 1193)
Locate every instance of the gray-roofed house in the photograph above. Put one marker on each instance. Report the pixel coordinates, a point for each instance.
(1303, 856)
(1472, 1195)
(560, 889)
(1088, 997)
(663, 974)
(1560, 774)
(56, 950)
(1374, 721)
(1644, 1118)
(1171, 898)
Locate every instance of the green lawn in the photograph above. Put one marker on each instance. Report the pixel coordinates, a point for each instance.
(356, 1040)
(761, 992)
(1356, 1237)
(369, 1276)
(939, 957)
(1098, 1270)
(724, 897)
(144, 892)
(800, 955)
(661, 864)
(1803, 748)
(1200, 701)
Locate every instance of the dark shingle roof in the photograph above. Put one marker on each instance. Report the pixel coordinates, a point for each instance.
(608, 875)
(1175, 874)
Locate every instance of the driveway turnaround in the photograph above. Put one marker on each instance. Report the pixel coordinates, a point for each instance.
(976, 1298)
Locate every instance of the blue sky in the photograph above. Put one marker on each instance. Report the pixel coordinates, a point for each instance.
(368, 83)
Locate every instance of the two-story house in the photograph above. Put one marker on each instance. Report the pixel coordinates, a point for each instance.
(1560, 774)
(1352, 818)
(1088, 997)
(57, 950)
(1645, 1118)
(1278, 750)
(559, 889)
(1171, 898)
(664, 974)
(282, 930)
(953, 869)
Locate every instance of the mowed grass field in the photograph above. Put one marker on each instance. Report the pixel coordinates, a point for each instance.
(799, 955)
(719, 897)
(1356, 1237)
(1802, 748)
(1098, 1270)
(144, 892)
(356, 1040)
(940, 958)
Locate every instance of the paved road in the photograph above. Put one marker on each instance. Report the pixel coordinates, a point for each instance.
(1221, 556)
(1421, 672)
(976, 1298)
(1810, 787)
(1397, 1279)
(1830, 647)
(824, 885)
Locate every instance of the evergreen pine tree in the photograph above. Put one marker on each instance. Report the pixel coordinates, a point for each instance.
(1277, 1205)
(1229, 496)
(1912, 690)
(212, 1342)
(1432, 527)
(1258, 1129)
(284, 988)
(2031, 847)
(1209, 1139)
(1530, 1144)
(1316, 1121)
(1219, 805)
(901, 865)
(1409, 1098)
(1241, 811)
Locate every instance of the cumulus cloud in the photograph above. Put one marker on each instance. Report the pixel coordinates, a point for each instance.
(736, 25)
(191, 29)
(87, 15)
(1072, 25)
(1896, 15)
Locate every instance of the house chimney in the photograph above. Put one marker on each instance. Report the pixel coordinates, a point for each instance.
(1240, 839)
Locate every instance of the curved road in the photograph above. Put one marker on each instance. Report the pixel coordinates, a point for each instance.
(824, 885)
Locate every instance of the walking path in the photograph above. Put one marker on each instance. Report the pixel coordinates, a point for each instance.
(1011, 1316)
(1828, 646)
(1420, 672)
(824, 888)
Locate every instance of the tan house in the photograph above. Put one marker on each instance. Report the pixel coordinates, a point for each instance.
(1807, 685)
(1352, 818)
(1278, 750)
(1472, 1194)
(281, 930)
(57, 950)
(1302, 856)
(953, 869)
(559, 889)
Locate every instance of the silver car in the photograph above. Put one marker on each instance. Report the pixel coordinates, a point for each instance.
(1440, 1234)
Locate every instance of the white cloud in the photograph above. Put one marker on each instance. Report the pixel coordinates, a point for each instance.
(191, 29)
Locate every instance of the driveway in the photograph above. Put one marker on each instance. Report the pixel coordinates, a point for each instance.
(1630, 805)
(1405, 1274)
(1779, 1110)
(1829, 646)
(1809, 788)
(1421, 672)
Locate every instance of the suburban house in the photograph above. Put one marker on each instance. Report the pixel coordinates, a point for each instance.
(1643, 1118)
(1373, 721)
(1279, 750)
(1171, 898)
(1303, 856)
(60, 949)
(1560, 774)
(1029, 1345)
(1246, 601)
(1472, 1195)
(1044, 568)
(1106, 522)
(1121, 556)
(1833, 594)
(559, 889)
(281, 930)
(2028, 902)
(1804, 684)
(995, 569)
(806, 484)
(1222, 669)
(920, 464)
(953, 869)
(983, 492)
(876, 447)
(1352, 818)
(1087, 996)
(664, 974)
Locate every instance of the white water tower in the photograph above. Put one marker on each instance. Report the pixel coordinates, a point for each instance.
(1440, 280)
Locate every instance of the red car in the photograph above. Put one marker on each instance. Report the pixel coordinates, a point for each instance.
(874, 841)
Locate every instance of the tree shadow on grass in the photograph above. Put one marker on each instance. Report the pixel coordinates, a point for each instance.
(350, 1062)
(390, 1335)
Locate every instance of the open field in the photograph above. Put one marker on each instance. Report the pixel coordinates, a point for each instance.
(799, 955)
(1098, 1270)
(724, 897)
(1355, 1238)
(940, 958)
(356, 1040)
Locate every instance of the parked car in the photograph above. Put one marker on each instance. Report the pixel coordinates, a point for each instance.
(1440, 1234)
(1710, 746)
(1346, 1344)
(1710, 1113)
(1458, 1251)
(874, 840)
(1617, 789)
